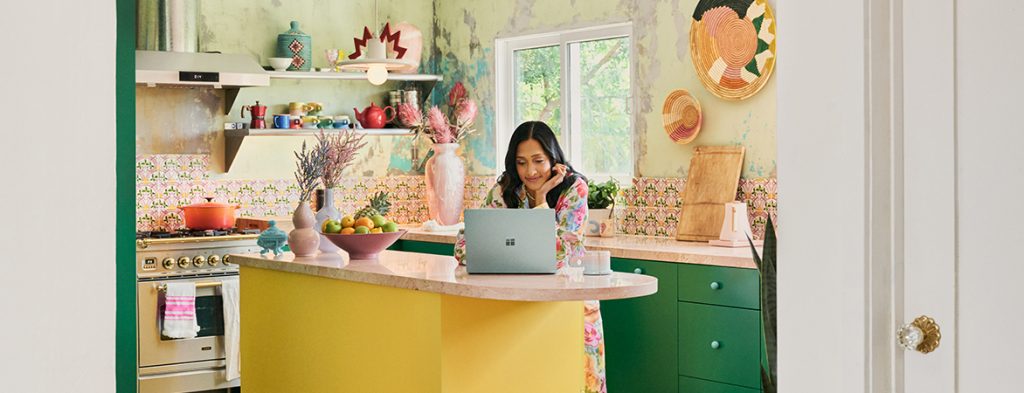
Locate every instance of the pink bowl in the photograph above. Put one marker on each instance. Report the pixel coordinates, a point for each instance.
(365, 246)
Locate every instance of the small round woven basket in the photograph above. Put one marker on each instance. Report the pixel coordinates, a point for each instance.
(681, 117)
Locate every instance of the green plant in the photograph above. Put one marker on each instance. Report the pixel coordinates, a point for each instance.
(601, 195)
(766, 268)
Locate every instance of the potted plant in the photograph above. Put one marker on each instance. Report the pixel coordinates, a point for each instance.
(599, 197)
(766, 267)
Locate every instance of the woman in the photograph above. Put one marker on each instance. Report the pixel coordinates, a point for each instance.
(537, 176)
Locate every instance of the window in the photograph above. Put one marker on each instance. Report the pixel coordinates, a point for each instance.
(579, 83)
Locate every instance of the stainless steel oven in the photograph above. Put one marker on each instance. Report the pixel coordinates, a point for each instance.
(194, 364)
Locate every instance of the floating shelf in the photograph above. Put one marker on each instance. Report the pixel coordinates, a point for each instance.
(233, 138)
(351, 76)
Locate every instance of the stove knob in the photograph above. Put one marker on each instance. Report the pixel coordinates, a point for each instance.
(198, 261)
(214, 260)
(227, 259)
(168, 263)
(183, 262)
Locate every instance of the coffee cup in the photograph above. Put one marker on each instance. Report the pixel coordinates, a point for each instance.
(313, 108)
(310, 121)
(597, 263)
(296, 121)
(282, 121)
(325, 122)
(297, 108)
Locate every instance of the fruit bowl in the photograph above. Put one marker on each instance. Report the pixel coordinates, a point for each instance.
(364, 246)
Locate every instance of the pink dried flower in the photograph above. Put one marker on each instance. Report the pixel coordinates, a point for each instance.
(443, 132)
(457, 93)
(465, 113)
(409, 115)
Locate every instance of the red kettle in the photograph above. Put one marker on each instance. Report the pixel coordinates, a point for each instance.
(258, 112)
(374, 116)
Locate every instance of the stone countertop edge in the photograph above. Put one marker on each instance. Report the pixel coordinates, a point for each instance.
(441, 274)
(648, 248)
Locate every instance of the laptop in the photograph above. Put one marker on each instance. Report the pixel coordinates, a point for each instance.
(510, 241)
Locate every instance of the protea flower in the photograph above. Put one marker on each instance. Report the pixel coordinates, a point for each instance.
(409, 115)
(456, 94)
(465, 112)
(439, 124)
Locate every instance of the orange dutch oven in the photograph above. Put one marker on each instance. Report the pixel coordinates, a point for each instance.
(209, 215)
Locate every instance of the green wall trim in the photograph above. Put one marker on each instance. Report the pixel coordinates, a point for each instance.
(124, 341)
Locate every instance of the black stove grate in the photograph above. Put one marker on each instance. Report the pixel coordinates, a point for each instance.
(194, 233)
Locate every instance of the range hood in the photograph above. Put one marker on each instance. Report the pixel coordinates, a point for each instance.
(183, 69)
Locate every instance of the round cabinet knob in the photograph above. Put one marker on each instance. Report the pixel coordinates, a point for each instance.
(921, 335)
(715, 285)
(715, 344)
(183, 262)
(638, 271)
(214, 260)
(198, 261)
(168, 263)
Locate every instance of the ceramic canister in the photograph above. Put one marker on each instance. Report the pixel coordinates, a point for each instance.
(296, 45)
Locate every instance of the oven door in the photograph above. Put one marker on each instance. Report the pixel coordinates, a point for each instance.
(155, 349)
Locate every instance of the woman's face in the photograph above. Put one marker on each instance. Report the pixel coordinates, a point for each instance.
(532, 165)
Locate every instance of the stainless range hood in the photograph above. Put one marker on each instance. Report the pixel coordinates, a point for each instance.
(184, 69)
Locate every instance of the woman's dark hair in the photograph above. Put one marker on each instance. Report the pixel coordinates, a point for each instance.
(510, 180)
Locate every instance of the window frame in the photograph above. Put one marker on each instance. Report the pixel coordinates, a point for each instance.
(571, 119)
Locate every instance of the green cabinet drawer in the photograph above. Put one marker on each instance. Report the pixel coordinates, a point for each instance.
(428, 247)
(725, 286)
(720, 344)
(694, 385)
(641, 353)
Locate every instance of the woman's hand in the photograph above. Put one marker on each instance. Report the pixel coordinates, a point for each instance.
(557, 176)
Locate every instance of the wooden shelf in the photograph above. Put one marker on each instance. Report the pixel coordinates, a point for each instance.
(233, 138)
(351, 76)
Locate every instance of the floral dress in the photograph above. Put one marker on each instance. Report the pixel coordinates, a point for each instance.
(571, 216)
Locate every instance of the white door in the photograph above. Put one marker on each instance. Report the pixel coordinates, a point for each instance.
(963, 176)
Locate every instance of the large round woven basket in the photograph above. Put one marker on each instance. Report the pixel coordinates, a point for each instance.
(681, 117)
(732, 44)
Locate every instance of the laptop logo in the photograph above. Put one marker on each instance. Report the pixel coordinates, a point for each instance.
(510, 242)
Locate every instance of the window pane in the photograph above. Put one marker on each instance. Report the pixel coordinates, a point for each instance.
(538, 86)
(606, 106)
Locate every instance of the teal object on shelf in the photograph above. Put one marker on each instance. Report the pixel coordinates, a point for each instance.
(296, 45)
(272, 239)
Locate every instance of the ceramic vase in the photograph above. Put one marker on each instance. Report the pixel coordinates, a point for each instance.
(446, 182)
(328, 211)
(304, 240)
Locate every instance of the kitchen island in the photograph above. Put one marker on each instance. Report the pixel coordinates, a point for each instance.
(412, 322)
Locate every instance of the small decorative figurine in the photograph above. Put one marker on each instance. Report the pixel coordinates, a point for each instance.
(272, 239)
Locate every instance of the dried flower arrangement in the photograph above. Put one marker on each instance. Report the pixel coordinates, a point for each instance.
(341, 151)
(309, 169)
(452, 127)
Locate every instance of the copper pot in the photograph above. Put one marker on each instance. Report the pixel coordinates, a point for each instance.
(209, 215)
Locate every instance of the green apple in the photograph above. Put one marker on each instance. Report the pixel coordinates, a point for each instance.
(378, 221)
(333, 226)
(361, 230)
(390, 226)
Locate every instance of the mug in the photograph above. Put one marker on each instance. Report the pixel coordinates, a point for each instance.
(310, 121)
(325, 122)
(297, 108)
(313, 108)
(597, 263)
(296, 121)
(282, 121)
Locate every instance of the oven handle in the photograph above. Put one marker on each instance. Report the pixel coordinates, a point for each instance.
(163, 287)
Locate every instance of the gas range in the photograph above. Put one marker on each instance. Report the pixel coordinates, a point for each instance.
(191, 253)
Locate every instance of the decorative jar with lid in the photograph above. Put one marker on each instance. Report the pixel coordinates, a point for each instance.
(296, 45)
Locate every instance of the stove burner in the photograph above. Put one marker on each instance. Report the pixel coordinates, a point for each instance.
(193, 233)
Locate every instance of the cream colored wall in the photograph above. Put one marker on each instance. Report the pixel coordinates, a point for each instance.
(188, 121)
(464, 51)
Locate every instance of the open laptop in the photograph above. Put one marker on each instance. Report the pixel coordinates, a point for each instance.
(514, 241)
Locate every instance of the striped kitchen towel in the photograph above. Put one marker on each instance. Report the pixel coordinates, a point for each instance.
(180, 310)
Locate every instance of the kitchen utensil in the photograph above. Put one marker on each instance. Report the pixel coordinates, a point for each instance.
(280, 63)
(373, 116)
(209, 215)
(735, 227)
(712, 181)
(282, 121)
(296, 45)
(681, 117)
(258, 113)
(364, 246)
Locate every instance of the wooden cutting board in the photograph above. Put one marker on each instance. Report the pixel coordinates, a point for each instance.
(712, 181)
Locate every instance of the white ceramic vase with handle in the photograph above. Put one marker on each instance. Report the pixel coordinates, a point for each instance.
(446, 182)
(328, 211)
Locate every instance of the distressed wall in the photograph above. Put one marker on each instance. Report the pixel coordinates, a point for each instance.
(465, 31)
(188, 121)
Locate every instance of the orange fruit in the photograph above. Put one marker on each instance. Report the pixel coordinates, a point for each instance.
(364, 222)
(348, 231)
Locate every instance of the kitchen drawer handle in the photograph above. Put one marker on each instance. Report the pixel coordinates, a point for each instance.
(638, 271)
(715, 344)
(715, 285)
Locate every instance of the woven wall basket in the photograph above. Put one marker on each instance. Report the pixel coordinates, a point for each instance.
(732, 44)
(681, 117)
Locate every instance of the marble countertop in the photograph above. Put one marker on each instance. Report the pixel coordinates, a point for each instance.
(647, 248)
(442, 274)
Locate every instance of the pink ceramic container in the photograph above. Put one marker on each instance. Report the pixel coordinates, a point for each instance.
(365, 246)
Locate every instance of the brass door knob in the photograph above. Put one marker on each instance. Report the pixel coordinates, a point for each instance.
(922, 335)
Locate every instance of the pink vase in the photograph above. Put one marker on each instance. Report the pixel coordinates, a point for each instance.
(446, 182)
(304, 240)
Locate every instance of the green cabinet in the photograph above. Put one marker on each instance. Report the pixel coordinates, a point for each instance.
(694, 385)
(720, 343)
(641, 354)
(425, 247)
(722, 286)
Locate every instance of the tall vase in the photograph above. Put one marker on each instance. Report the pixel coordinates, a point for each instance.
(328, 211)
(446, 182)
(303, 240)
